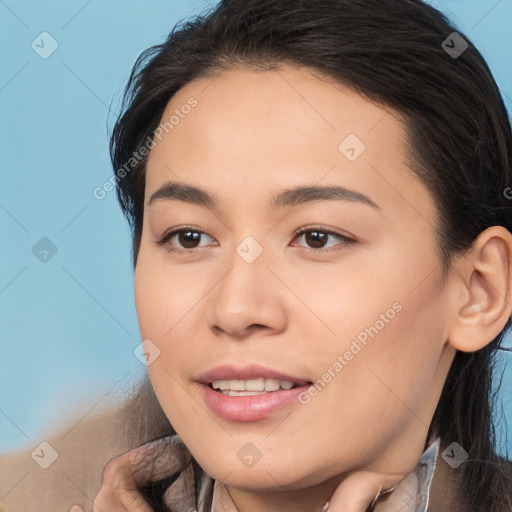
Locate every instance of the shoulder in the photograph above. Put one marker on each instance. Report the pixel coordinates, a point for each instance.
(63, 468)
(67, 469)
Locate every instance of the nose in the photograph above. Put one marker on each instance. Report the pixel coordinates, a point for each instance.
(248, 298)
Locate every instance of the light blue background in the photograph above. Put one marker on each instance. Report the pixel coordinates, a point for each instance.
(68, 327)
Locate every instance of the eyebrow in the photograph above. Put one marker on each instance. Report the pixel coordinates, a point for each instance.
(173, 190)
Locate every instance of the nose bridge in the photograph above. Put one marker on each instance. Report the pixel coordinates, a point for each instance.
(248, 271)
(246, 295)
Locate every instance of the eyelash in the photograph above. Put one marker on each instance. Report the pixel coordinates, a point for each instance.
(346, 241)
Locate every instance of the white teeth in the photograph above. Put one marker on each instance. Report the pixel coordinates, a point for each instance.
(250, 386)
(242, 393)
(255, 385)
(236, 385)
(271, 385)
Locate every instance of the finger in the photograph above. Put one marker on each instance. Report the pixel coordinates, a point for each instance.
(358, 491)
(125, 474)
(119, 489)
(109, 502)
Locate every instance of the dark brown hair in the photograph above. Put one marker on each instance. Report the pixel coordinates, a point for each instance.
(460, 146)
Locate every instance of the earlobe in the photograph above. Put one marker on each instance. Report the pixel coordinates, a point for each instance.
(486, 277)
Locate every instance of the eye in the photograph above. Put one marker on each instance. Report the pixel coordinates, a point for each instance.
(317, 237)
(187, 237)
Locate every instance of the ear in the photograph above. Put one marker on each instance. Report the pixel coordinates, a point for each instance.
(483, 299)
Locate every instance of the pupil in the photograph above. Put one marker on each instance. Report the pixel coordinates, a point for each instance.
(186, 242)
(312, 238)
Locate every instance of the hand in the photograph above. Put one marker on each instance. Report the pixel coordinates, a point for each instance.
(124, 475)
(120, 489)
(358, 491)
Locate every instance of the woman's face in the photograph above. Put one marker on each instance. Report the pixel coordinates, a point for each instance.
(353, 312)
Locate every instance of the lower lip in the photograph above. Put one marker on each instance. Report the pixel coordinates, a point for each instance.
(252, 407)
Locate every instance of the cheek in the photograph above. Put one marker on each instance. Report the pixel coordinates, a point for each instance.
(373, 393)
(379, 364)
(165, 304)
(162, 299)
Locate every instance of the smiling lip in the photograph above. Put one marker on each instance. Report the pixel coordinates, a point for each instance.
(253, 407)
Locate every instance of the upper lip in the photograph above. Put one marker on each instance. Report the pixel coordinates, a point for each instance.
(229, 372)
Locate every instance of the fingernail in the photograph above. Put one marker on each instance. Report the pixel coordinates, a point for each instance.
(325, 508)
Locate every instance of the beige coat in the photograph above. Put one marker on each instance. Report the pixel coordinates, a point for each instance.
(73, 478)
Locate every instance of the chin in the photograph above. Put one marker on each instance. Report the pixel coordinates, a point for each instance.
(263, 476)
(265, 480)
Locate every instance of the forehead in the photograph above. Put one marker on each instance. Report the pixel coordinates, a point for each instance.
(251, 133)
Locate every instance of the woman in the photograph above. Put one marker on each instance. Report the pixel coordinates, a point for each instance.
(323, 272)
(397, 107)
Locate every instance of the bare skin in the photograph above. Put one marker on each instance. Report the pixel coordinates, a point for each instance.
(252, 135)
